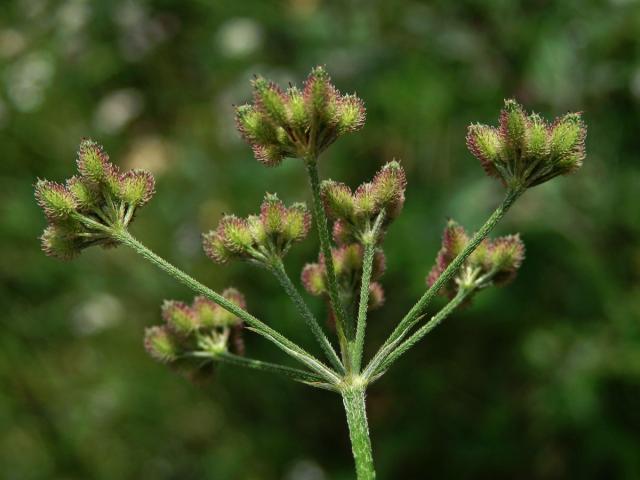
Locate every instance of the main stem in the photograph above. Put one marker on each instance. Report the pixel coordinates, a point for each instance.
(353, 399)
(325, 247)
(413, 316)
(259, 327)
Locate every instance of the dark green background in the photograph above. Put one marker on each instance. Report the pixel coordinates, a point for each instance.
(540, 379)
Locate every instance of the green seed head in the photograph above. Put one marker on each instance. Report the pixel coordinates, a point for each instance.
(313, 279)
(136, 187)
(56, 200)
(526, 150)
(161, 344)
(179, 317)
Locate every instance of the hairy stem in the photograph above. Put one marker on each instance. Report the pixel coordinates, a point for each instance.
(363, 306)
(231, 359)
(463, 293)
(285, 281)
(367, 263)
(353, 399)
(256, 325)
(413, 316)
(325, 247)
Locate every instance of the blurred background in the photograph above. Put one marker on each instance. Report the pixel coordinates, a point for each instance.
(538, 380)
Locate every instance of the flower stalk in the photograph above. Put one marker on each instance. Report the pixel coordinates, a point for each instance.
(342, 323)
(461, 296)
(280, 273)
(286, 345)
(231, 359)
(414, 315)
(370, 240)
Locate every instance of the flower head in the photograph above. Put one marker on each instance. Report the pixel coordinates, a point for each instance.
(354, 213)
(212, 315)
(525, 150)
(347, 262)
(203, 327)
(85, 210)
(180, 318)
(492, 262)
(162, 344)
(297, 122)
(258, 237)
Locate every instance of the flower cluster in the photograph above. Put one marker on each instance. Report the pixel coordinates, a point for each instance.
(525, 150)
(83, 212)
(203, 326)
(493, 262)
(258, 237)
(354, 213)
(347, 261)
(297, 123)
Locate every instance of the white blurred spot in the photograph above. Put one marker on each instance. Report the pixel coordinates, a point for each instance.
(27, 80)
(304, 8)
(104, 401)
(12, 42)
(140, 32)
(305, 470)
(150, 153)
(33, 8)
(188, 240)
(117, 109)
(129, 14)
(73, 15)
(98, 313)
(239, 37)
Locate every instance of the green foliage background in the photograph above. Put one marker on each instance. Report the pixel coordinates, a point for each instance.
(537, 380)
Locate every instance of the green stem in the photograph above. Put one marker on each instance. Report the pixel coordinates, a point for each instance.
(413, 316)
(353, 399)
(325, 247)
(256, 325)
(367, 267)
(88, 222)
(369, 242)
(231, 359)
(455, 302)
(285, 281)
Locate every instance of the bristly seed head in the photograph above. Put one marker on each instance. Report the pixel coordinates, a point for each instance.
(93, 162)
(313, 279)
(347, 262)
(161, 344)
(90, 206)
(524, 150)
(260, 237)
(179, 317)
(204, 327)
(136, 187)
(60, 241)
(354, 214)
(297, 123)
(492, 262)
(56, 200)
